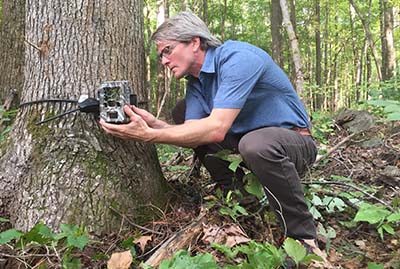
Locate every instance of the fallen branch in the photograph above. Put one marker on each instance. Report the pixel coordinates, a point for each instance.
(180, 240)
(347, 138)
(350, 186)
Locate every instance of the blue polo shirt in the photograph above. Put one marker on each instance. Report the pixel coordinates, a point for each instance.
(242, 76)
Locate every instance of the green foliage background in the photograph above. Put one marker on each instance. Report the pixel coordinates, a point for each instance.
(342, 42)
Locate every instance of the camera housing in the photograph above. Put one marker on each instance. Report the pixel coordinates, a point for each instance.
(113, 96)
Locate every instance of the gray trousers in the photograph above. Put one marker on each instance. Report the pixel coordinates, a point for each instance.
(278, 157)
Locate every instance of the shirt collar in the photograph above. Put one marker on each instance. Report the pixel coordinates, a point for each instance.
(208, 65)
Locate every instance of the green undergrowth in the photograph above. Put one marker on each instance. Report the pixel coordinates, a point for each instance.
(352, 203)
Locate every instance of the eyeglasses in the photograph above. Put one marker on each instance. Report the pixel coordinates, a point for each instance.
(167, 50)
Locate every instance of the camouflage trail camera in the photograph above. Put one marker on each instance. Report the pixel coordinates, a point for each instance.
(113, 96)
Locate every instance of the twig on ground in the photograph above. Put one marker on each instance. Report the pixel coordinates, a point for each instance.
(347, 138)
(134, 224)
(179, 240)
(350, 186)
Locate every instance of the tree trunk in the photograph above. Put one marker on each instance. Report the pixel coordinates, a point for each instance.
(69, 170)
(205, 11)
(388, 49)
(318, 57)
(276, 32)
(163, 74)
(223, 20)
(368, 34)
(12, 48)
(149, 82)
(294, 47)
(357, 55)
(184, 5)
(327, 54)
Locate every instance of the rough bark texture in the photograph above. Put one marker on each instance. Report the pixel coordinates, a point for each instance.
(276, 32)
(388, 48)
(12, 49)
(69, 171)
(318, 56)
(368, 34)
(294, 47)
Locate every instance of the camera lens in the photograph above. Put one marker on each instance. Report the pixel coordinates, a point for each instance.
(113, 115)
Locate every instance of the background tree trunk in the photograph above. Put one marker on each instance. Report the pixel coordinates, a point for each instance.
(294, 47)
(276, 32)
(69, 171)
(163, 74)
(368, 34)
(12, 48)
(319, 100)
(388, 49)
(205, 11)
(223, 20)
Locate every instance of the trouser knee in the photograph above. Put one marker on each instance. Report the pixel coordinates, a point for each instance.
(252, 150)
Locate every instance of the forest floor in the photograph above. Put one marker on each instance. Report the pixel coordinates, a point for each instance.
(366, 167)
(359, 166)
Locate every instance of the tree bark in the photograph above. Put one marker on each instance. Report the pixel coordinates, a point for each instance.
(318, 57)
(388, 48)
(276, 32)
(223, 20)
(163, 74)
(148, 44)
(368, 34)
(327, 54)
(357, 55)
(205, 11)
(294, 47)
(12, 48)
(69, 170)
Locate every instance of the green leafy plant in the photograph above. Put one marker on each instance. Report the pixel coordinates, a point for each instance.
(372, 265)
(229, 205)
(166, 152)
(391, 108)
(7, 116)
(329, 233)
(328, 203)
(379, 216)
(252, 184)
(322, 126)
(9, 235)
(71, 237)
(298, 253)
(5, 120)
(261, 255)
(183, 260)
(175, 168)
(234, 159)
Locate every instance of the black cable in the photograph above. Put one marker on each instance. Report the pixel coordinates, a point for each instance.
(58, 116)
(55, 100)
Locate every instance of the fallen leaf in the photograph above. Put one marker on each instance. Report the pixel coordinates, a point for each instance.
(142, 241)
(120, 260)
(229, 235)
(361, 244)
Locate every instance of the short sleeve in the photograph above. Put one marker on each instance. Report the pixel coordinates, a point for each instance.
(239, 72)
